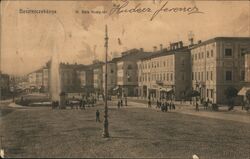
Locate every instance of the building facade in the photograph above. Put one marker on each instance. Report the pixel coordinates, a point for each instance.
(166, 74)
(217, 64)
(127, 71)
(111, 77)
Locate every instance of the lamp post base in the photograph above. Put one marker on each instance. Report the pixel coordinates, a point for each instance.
(105, 133)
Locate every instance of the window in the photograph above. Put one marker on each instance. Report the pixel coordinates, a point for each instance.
(202, 76)
(198, 75)
(130, 67)
(211, 75)
(192, 75)
(164, 77)
(211, 93)
(242, 51)
(160, 76)
(228, 52)
(199, 56)
(242, 76)
(171, 77)
(228, 75)
(207, 54)
(202, 55)
(207, 76)
(111, 71)
(195, 76)
(167, 77)
(212, 53)
(195, 56)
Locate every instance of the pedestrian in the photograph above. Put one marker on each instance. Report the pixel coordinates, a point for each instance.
(196, 106)
(97, 115)
(118, 104)
(173, 106)
(170, 105)
(149, 103)
(80, 104)
(92, 102)
(83, 104)
(126, 104)
(121, 103)
(166, 106)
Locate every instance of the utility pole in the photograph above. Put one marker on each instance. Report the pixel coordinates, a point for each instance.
(105, 122)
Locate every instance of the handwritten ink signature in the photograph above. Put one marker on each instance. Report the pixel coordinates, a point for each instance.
(123, 8)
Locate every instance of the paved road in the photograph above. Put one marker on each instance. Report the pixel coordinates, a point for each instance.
(236, 115)
(135, 130)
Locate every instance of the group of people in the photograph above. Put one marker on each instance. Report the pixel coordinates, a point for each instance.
(120, 102)
(82, 103)
(164, 105)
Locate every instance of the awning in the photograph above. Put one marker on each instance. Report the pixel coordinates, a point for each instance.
(166, 89)
(116, 88)
(243, 91)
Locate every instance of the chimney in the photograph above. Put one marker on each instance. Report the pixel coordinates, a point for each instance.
(191, 40)
(180, 44)
(170, 46)
(154, 48)
(161, 47)
(141, 50)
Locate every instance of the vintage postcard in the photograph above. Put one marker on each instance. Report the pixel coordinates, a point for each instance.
(125, 79)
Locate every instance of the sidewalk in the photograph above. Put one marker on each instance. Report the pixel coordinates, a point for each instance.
(237, 114)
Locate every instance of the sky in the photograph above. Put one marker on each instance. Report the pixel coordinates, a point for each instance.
(28, 41)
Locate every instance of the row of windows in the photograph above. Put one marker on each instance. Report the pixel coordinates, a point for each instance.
(153, 77)
(228, 52)
(228, 76)
(200, 76)
(201, 55)
(155, 64)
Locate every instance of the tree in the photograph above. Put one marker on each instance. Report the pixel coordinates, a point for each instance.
(230, 93)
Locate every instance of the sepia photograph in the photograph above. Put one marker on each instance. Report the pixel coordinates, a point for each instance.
(125, 79)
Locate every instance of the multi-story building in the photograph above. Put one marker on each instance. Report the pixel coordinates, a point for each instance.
(127, 77)
(166, 73)
(35, 80)
(217, 64)
(111, 76)
(98, 77)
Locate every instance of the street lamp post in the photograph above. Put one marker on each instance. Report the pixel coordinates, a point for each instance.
(105, 123)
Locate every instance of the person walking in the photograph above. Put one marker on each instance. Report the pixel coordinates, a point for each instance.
(149, 103)
(121, 103)
(118, 104)
(97, 115)
(196, 106)
(83, 104)
(126, 102)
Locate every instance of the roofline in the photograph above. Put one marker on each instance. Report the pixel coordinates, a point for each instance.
(166, 53)
(217, 39)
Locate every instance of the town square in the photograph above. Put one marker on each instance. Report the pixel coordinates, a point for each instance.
(122, 85)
